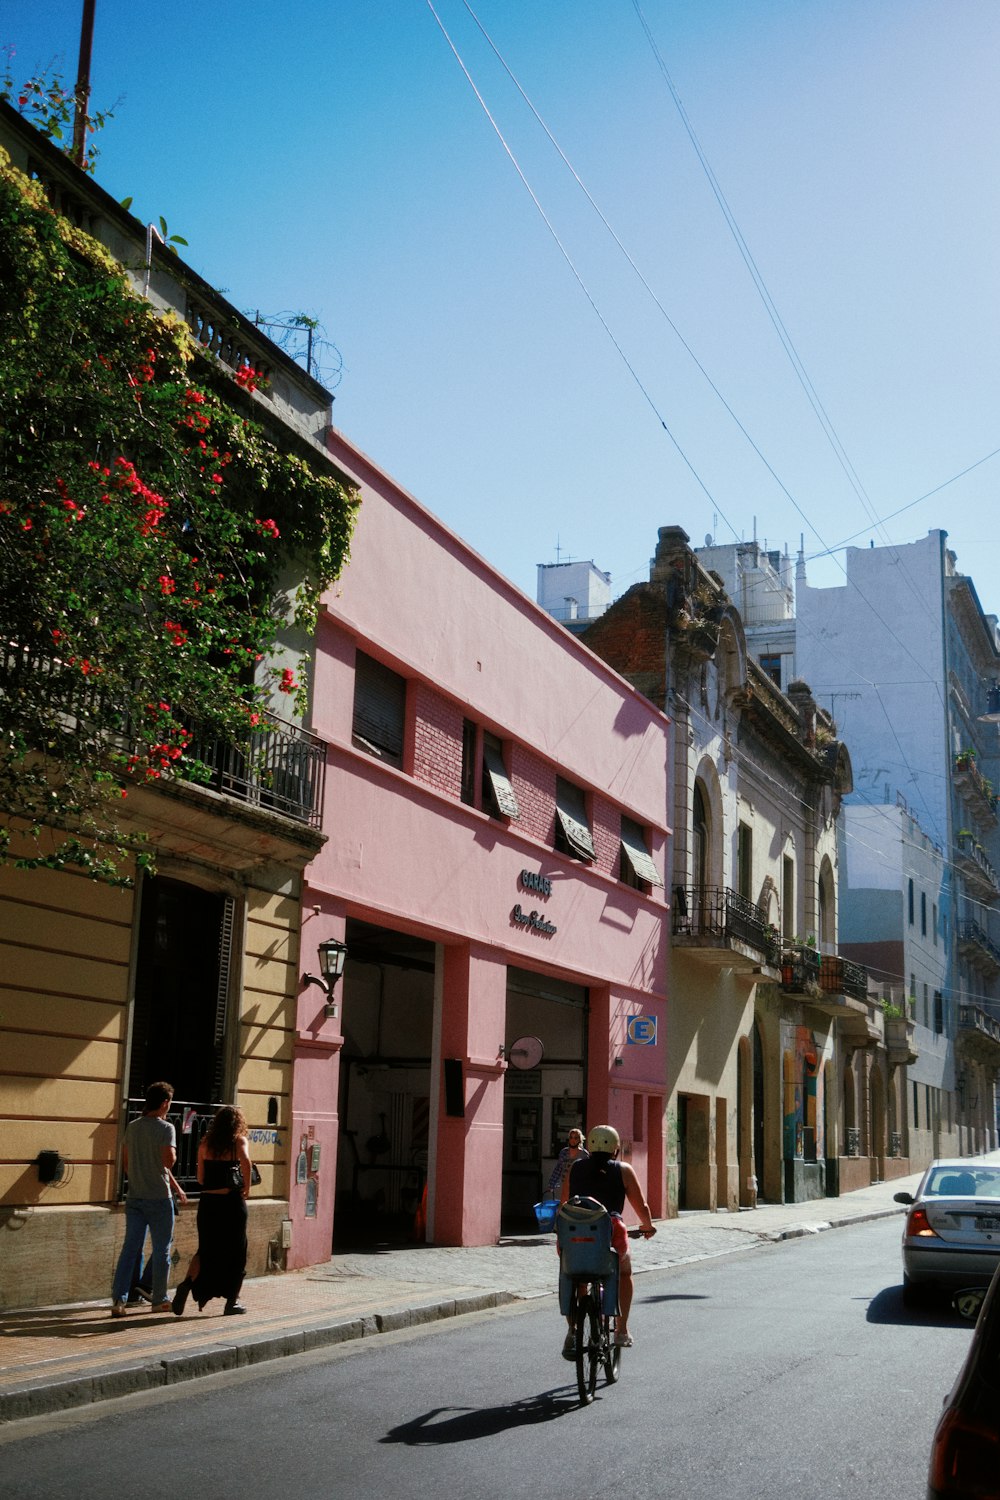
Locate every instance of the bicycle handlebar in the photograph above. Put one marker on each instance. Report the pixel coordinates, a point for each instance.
(646, 1234)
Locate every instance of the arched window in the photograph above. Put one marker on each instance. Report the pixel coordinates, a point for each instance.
(699, 841)
(826, 916)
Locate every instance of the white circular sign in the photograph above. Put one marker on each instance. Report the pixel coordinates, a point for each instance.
(526, 1052)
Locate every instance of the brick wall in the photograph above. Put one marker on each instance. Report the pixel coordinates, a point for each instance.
(534, 782)
(631, 638)
(437, 741)
(606, 825)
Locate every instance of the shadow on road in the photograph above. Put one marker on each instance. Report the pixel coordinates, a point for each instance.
(460, 1424)
(887, 1307)
(676, 1297)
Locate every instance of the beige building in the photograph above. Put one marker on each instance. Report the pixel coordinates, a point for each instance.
(193, 975)
(775, 1050)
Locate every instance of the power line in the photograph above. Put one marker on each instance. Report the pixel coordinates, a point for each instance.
(569, 261)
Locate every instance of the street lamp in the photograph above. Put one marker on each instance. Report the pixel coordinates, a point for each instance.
(332, 957)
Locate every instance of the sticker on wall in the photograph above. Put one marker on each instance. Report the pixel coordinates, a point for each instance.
(641, 1031)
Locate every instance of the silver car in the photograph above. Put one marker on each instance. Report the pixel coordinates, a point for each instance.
(951, 1238)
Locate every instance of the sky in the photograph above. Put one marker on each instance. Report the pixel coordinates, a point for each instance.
(743, 280)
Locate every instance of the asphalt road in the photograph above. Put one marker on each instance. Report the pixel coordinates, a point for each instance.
(790, 1371)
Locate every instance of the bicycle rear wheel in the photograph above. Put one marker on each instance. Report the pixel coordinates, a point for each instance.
(610, 1352)
(588, 1347)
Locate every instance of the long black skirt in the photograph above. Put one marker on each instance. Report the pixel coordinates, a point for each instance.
(222, 1247)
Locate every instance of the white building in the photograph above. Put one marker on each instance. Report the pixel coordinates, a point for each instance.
(574, 593)
(905, 655)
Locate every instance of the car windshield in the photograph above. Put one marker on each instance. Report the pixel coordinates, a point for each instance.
(963, 1182)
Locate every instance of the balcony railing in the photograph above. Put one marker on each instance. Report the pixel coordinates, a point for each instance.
(977, 791)
(978, 947)
(800, 968)
(972, 861)
(841, 976)
(718, 917)
(190, 1122)
(279, 766)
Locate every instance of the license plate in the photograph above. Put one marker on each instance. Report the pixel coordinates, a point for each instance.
(988, 1226)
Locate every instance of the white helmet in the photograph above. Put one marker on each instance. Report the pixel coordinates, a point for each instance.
(604, 1139)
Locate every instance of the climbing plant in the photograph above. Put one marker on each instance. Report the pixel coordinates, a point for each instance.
(147, 525)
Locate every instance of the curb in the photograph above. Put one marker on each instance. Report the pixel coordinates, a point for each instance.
(799, 1231)
(39, 1396)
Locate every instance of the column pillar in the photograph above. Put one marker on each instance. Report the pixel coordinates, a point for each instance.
(469, 1158)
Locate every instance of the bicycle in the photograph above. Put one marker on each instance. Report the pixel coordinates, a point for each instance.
(588, 1290)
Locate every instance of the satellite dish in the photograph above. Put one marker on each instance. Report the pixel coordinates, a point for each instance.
(708, 539)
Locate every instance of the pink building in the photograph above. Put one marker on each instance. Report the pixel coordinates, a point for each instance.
(496, 812)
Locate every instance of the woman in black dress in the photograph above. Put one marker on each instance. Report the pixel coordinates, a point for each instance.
(218, 1267)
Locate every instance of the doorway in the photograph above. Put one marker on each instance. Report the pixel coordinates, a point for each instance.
(544, 1101)
(181, 992)
(384, 1102)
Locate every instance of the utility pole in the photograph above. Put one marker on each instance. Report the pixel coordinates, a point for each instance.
(81, 94)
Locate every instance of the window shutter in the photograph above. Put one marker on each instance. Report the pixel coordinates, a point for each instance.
(638, 856)
(379, 709)
(571, 817)
(503, 791)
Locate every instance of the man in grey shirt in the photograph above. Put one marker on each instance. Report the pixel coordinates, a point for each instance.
(149, 1152)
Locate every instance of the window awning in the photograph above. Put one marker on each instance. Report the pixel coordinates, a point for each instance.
(569, 807)
(638, 856)
(503, 791)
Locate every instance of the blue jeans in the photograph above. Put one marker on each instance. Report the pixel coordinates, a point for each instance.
(156, 1215)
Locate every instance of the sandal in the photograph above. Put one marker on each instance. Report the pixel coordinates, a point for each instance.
(623, 1341)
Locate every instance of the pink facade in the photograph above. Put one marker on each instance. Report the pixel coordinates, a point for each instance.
(469, 929)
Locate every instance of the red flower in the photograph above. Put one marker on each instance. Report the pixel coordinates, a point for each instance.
(288, 683)
(268, 528)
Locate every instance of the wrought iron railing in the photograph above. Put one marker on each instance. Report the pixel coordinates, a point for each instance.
(972, 933)
(895, 1143)
(852, 1138)
(190, 1122)
(800, 967)
(969, 778)
(972, 859)
(841, 976)
(722, 915)
(278, 765)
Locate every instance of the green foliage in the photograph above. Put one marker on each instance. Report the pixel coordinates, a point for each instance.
(146, 522)
(50, 106)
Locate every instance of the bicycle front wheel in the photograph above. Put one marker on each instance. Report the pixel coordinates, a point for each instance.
(588, 1347)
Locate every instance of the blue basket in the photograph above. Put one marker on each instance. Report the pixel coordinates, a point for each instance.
(545, 1214)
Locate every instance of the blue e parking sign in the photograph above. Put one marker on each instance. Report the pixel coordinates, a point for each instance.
(641, 1031)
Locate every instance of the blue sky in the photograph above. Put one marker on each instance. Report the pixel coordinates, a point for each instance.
(331, 158)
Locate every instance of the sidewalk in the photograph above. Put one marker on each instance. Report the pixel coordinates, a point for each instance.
(59, 1357)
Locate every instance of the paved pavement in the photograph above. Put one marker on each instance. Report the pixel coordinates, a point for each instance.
(59, 1357)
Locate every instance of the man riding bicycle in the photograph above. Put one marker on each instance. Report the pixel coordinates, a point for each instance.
(602, 1176)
